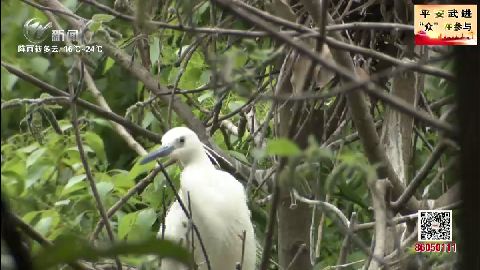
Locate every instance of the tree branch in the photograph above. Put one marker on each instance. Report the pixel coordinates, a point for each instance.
(52, 90)
(86, 167)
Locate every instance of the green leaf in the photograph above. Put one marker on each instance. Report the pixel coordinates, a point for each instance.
(35, 156)
(50, 219)
(235, 105)
(103, 189)
(39, 64)
(168, 55)
(154, 49)
(152, 197)
(126, 223)
(30, 216)
(43, 225)
(64, 125)
(204, 96)
(36, 172)
(29, 149)
(146, 218)
(94, 26)
(96, 143)
(239, 156)
(148, 119)
(350, 194)
(108, 65)
(75, 183)
(122, 180)
(15, 166)
(8, 80)
(282, 147)
(101, 18)
(191, 78)
(69, 249)
(74, 180)
(143, 225)
(139, 169)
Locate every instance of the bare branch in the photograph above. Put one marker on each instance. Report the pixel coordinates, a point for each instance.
(88, 172)
(326, 206)
(378, 190)
(422, 173)
(32, 233)
(137, 189)
(52, 90)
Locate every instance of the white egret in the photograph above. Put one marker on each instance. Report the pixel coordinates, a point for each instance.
(218, 205)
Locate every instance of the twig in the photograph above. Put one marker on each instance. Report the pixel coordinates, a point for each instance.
(86, 167)
(32, 233)
(216, 111)
(138, 188)
(263, 131)
(300, 249)
(385, 57)
(342, 257)
(164, 213)
(52, 9)
(370, 88)
(250, 100)
(267, 247)
(349, 138)
(192, 236)
(394, 221)
(422, 173)
(186, 58)
(334, 43)
(342, 265)
(121, 131)
(16, 102)
(244, 238)
(407, 242)
(343, 224)
(441, 102)
(324, 205)
(52, 90)
(251, 34)
(185, 211)
(183, 110)
(378, 189)
(314, 32)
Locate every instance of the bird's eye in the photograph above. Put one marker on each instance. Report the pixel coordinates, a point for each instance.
(181, 140)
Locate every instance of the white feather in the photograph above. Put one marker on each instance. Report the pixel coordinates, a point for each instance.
(219, 209)
(210, 150)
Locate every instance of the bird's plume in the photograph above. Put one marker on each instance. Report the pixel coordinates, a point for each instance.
(212, 154)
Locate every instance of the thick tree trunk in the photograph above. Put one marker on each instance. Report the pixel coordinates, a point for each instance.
(397, 129)
(293, 223)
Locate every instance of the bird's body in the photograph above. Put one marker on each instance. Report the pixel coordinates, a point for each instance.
(218, 207)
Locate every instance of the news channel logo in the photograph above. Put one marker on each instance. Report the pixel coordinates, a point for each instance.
(35, 31)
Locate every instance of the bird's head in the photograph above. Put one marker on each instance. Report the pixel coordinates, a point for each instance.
(179, 143)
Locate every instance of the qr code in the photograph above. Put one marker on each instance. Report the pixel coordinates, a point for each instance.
(435, 225)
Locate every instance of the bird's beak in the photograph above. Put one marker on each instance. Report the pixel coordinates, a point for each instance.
(163, 151)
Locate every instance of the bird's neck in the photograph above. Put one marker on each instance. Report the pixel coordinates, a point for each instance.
(198, 159)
